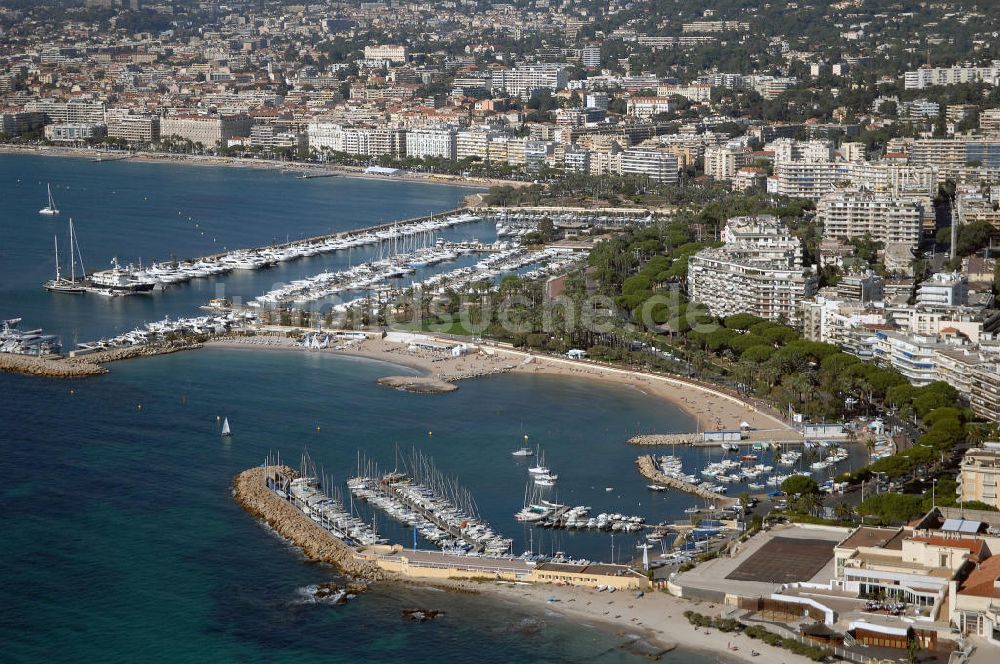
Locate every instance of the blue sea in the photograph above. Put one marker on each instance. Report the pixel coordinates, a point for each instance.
(121, 539)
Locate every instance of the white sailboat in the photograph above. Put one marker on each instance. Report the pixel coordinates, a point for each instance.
(61, 284)
(50, 210)
(225, 428)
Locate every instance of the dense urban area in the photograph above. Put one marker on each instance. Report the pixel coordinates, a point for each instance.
(796, 204)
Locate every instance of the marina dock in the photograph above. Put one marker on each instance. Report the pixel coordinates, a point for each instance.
(133, 279)
(252, 490)
(648, 469)
(258, 491)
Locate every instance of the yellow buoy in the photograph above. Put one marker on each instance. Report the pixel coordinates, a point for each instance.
(526, 436)
(217, 418)
(317, 428)
(430, 433)
(139, 407)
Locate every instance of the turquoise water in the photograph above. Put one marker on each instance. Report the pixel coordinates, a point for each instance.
(121, 540)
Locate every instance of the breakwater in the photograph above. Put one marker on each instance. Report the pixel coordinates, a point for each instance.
(654, 439)
(130, 352)
(85, 365)
(55, 367)
(252, 493)
(648, 469)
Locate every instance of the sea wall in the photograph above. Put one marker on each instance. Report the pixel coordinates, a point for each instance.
(648, 469)
(50, 367)
(252, 493)
(83, 365)
(657, 439)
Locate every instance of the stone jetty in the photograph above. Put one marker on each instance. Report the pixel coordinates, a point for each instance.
(251, 492)
(55, 367)
(83, 366)
(130, 352)
(648, 469)
(654, 439)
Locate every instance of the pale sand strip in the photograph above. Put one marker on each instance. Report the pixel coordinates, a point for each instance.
(656, 616)
(712, 408)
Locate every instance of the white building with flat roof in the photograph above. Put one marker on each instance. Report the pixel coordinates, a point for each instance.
(432, 142)
(885, 218)
(758, 271)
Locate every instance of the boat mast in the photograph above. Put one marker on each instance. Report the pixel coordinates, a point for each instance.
(55, 238)
(72, 259)
(76, 241)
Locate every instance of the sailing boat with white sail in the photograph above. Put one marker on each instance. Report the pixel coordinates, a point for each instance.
(61, 284)
(225, 428)
(50, 210)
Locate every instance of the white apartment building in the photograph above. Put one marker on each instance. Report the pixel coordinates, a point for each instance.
(432, 142)
(74, 131)
(914, 356)
(386, 52)
(789, 149)
(364, 141)
(989, 120)
(980, 472)
(813, 179)
(896, 179)
(474, 143)
(135, 128)
(74, 110)
(647, 107)
(807, 179)
(943, 289)
(696, 92)
(722, 162)
(657, 165)
(525, 79)
(849, 214)
(208, 130)
(929, 76)
(590, 55)
(758, 271)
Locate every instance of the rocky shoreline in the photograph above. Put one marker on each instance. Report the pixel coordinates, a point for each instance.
(417, 384)
(251, 492)
(87, 365)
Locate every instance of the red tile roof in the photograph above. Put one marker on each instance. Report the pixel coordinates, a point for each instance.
(981, 582)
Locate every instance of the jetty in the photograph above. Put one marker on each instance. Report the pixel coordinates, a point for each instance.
(648, 469)
(658, 439)
(131, 279)
(262, 492)
(715, 438)
(253, 490)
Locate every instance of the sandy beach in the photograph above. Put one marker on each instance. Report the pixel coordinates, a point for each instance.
(713, 409)
(657, 617)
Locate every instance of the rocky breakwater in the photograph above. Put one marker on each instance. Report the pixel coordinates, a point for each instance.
(55, 367)
(648, 469)
(418, 384)
(130, 352)
(83, 366)
(440, 383)
(657, 439)
(251, 492)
